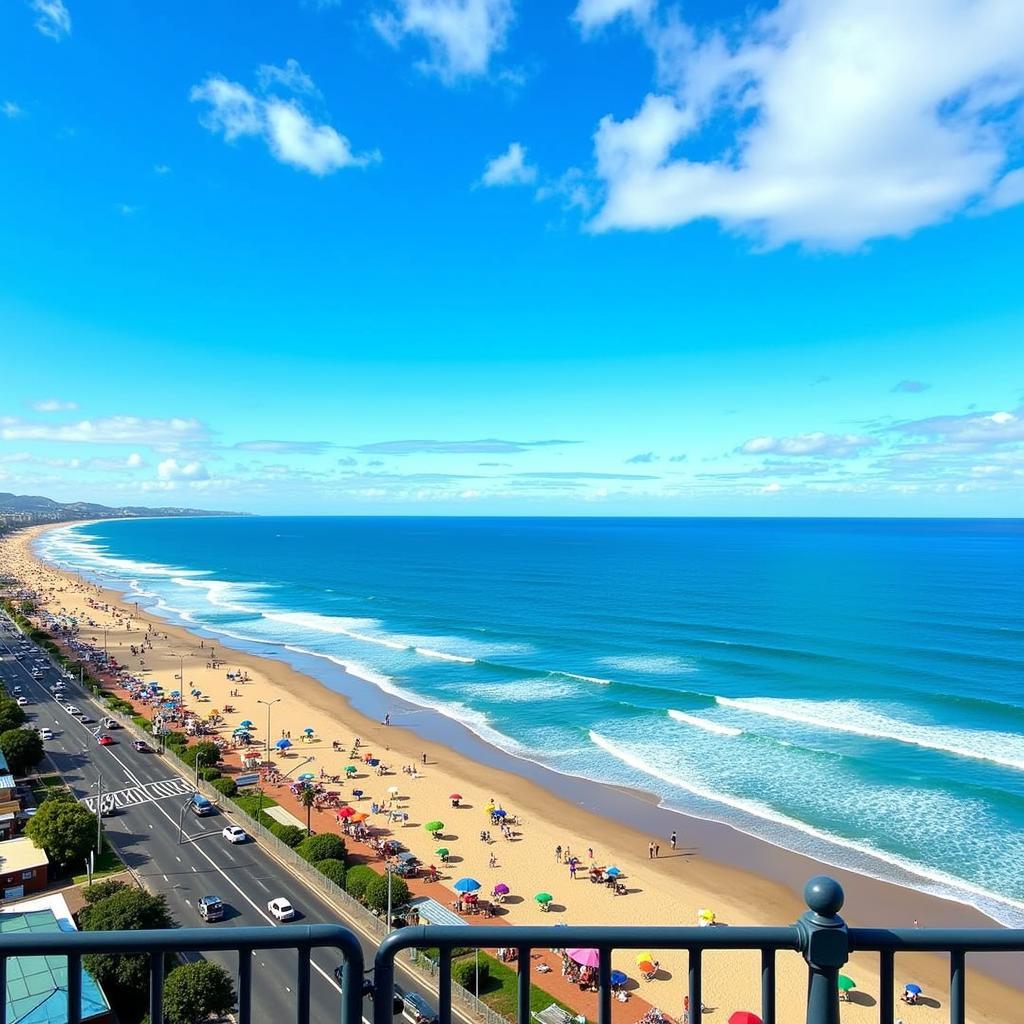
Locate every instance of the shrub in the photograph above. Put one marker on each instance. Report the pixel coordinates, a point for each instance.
(332, 869)
(223, 785)
(23, 749)
(205, 752)
(464, 973)
(101, 890)
(196, 992)
(357, 879)
(376, 895)
(141, 722)
(322, 847)
(64, 828)
(11, 715)
(209, 774)
(290, 835)
(175, 739)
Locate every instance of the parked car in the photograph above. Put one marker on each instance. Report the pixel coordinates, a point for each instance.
(281, 909)
(234, 834)
(142, 746)
(210, 908)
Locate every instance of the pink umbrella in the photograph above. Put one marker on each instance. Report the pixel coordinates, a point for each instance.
(584, 957)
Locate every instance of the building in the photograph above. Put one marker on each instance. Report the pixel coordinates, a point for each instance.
(24, 868)
(10, 804)
(37, 986)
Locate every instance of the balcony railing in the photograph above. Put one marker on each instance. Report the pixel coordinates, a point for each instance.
(820, 936)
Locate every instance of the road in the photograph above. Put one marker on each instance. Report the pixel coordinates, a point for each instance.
(150, 796)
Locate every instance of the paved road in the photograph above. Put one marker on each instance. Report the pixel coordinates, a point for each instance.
(149, 797)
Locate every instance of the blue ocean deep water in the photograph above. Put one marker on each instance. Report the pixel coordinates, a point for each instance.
(851, 689)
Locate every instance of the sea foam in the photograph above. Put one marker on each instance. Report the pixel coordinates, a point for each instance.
(703, 723)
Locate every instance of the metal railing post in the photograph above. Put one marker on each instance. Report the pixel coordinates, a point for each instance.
(825, 946)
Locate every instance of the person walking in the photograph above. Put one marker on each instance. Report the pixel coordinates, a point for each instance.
(650, 851)
(558, 854)
(657, 849)
(672, 839)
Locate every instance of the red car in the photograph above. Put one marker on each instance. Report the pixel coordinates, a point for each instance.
(105, 740)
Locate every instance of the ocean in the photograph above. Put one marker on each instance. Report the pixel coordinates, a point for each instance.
(848, 689)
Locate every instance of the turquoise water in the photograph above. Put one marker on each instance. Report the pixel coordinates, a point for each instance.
(848, 689)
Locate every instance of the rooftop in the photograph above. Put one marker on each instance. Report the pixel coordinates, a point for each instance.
(21, 854)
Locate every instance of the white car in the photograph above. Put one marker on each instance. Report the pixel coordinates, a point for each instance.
(23, 701)
(234, 834)
(46, 734)
(281, 909)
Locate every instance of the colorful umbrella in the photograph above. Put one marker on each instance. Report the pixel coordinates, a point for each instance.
(442, 851)
(306, 777)
(618, 978)
(501, 889)
(455, 796)
(499, 813)
(346, 812)
(309, 731)
(846, 983)
(913, 989)
(357, 793)
(246, 723)
(612, 872)
(359, 816)
(706, 915)
(373, 762)
(467, 885)
(283, 743)
(645, 958)
(350, 769)
(584, 957)
(543, 897)
(434, 826)
(744, 1017)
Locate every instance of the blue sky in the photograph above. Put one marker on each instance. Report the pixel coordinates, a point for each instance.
(514, 257)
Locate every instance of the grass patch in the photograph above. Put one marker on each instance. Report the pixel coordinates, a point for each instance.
(107, 863)
(42, 786)
(250, 803)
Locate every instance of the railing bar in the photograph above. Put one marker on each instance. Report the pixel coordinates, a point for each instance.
(694, 983)
(768, 986)
(302, 987)
(3, 989)
(885, 986)
(957, 980)
(156, 986)
(523, 979)
(245, 956)
(74, 988)
(444, 983)
(604, 986)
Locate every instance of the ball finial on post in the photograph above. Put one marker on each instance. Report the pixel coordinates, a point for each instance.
(824, 896)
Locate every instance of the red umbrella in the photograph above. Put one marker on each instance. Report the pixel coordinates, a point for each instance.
(455, 796)
(346, 812)
(744, 1017)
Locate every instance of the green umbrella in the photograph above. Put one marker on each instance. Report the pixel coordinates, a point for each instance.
(434, 826)
(543, 897)
(442, 852)
(845, 983)
(350, 769)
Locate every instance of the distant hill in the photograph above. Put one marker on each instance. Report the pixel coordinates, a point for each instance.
(19, 509)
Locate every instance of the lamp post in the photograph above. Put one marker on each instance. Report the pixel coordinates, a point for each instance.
(269, 704)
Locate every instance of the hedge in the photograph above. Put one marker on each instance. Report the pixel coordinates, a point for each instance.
(333, 869)
(359, 876)
(223, 785)
(464, 973)
(290, 835)
(210, 774)
(322, 847)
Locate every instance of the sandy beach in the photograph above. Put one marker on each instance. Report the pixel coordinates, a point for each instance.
(710, 867)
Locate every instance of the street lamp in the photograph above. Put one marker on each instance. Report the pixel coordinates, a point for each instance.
(269, 704)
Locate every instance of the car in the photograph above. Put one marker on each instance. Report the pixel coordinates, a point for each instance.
(281, 909)
(234, 834)
(211, 908)
(200, 806)
(415, 1008)
(37, 673)
(45, 734)
(111, 723)
(142, 747)
(108, 808)
(22, 700)
(104, 740)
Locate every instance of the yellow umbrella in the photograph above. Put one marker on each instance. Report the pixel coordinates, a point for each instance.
(706, 915)
(644, 958)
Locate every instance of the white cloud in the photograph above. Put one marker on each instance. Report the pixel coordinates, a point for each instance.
(134, 461)
(52, 405)
(161, 169)
(127, 210)
(54, 19)
(593, 14)
(772, 488)
(510, 168)
(843, 121)
(290, 77)
(837, 446)
(11, 109)
(290, 134)
(171, 469)
(970, 432)
(461, 35)
(1009, 191)
(106, 430)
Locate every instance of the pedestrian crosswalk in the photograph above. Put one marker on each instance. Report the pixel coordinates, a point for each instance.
(146, 793)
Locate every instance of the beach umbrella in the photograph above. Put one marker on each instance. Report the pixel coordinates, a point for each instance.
(358, 816)
(489, 808)
(501, 889)
(175, 693)
(543, 897)
(618, 978)
(706, 915)
(584, 957)
(645, 958)
(373, 762)
(306, 777)
(846, 983)
(744, 1017)
(357, 793)
(309, 731)
(434, 826)
(499, 813)
(455, 796)
(612, 872)
(442, 851)
(347, 812)
(913, 989)
(467, 885)
(350, 769)
(245, 722)
(283, 743)
(240, 731)
(394, 790)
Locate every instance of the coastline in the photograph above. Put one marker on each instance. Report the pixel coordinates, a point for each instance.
(747, 880)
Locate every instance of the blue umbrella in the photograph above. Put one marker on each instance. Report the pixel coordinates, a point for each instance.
(467, 885)
(246, 723)
(498, 813)
(612, 872)
(283, 744)
(618, 978)
(305, 776)
(175, 693)
(914, 989)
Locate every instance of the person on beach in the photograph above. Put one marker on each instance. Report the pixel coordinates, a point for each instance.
(650, 851)
(657, 849)
(558, 854)
(672, 839)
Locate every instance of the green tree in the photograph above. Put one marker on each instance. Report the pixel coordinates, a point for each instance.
(290, 835)
(464, 973)
(23, 749)
(307, 798)
(206, 753)
(101, 890)
(226, 786)
(376, 895)
(11, 714)
(126, 910)
(322, 846)
(359, 876)
(196, 992)
(333, 869)
(64, 828)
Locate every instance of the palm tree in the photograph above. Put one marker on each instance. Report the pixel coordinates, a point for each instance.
(307, 798)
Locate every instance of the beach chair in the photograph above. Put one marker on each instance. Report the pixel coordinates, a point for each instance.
(554, 1014)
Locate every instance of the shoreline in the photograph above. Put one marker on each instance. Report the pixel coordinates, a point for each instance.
(750, 880)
